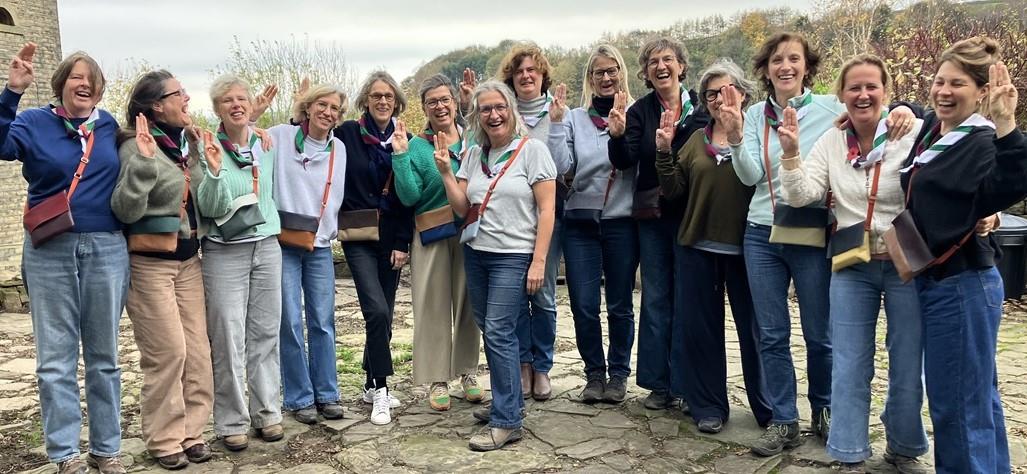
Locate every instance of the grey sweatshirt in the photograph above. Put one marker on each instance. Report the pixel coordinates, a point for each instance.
(578, 142)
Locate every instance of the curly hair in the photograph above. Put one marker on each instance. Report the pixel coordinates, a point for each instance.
(512, 60)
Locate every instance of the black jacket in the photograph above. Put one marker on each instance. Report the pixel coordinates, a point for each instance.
(396, 226)
(975, 178)
(638, 144)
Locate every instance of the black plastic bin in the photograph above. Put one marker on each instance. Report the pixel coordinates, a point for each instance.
(1012, 236)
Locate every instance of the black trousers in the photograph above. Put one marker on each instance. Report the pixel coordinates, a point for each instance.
(376, 283)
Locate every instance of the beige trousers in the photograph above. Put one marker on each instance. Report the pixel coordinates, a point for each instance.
(166, 306)
(446, 338)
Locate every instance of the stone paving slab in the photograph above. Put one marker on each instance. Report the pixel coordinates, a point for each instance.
(560, 435)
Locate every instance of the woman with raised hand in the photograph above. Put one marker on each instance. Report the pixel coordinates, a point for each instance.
(76, 273)
(965, 167)
(526, 71)
(505, 192)
(375, 228)
(310, 170)
(242, 269)
(446, 338)
(710, 248)
(663, 65)
(600, 239)
(155, 198)
(861, 166)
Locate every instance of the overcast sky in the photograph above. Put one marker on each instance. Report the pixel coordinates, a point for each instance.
(189, 37)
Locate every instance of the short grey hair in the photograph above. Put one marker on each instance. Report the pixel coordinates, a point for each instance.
(222, 84)
(363, 97)
(434, 81)
(299, 109)
(475, 128)
(726, 67)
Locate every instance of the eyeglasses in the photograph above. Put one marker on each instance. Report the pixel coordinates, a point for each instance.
(486, 110)
(612, 72)
(443, 101)
(181, 93)
(669, 59)
(711, 94)
(321, 106)
(378, 97)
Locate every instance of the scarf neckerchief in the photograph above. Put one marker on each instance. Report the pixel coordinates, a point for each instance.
(532, 111)
(83, 131)
(798, 103)
(490, 170)
(179, 153)
(380, 152)
(721, 154)
(598, 110)
(686, 106)
(429, 135)
(857, 159)
(302, 132)
(928, 149)
(233, 151)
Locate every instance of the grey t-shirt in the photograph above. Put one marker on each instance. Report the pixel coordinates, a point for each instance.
(510, 221)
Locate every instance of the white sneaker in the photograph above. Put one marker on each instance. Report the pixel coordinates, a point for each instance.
(380, 411)
(369, 398)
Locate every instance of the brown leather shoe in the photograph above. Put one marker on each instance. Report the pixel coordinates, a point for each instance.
(237, 442)
(173, 462)
(198, 453)
(527, 374)
(541, 389)
(272, 433)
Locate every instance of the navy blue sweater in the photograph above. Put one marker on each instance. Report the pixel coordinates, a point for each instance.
(38, 139)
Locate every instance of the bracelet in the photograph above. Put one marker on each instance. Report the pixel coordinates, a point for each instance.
(665, 152)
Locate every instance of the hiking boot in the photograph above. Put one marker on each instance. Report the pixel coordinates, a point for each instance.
(369, 398)
(198, 453)
(272, 433)
(527, 375)
(106, 465)
(776, 438)
(438, 396)
(237, 442)
(852, 467)
(307, 415)
(710, 424)
(331, 410)
(821, 424)
(472, 390)
(593, 392)
(72, 466)
(615, 390)
(381, 411)
(905, 464)
(489, 438)
(658, 400)
(173, 462)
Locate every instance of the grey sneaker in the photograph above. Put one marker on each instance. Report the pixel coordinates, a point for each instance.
(593, 391)
(331, 410)
(616, 390)
(711, 424)
(852, 467)
(657, 400)
(307, 415)
(905, 464)
(72, 466)
(822, 423)
(489, 438)
(111, 465)
(776, 438)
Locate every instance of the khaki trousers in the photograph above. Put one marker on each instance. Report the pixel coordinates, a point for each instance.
(166, 306)
(446, 338)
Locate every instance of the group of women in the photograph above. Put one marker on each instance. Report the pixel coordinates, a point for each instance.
(705, 191)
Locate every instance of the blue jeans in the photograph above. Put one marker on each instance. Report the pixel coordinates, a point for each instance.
(496, 288)
(961, 317)
(698, 353)
(856, 294)
(536, 329)
(308, 370)
(77, 284)
(376, 284)
(770, 267)
(656, 246)
(591, 252)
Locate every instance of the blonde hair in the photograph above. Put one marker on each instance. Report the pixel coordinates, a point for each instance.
(474, 125)
(299, 109)
(222, 84)
(859, 60)
(609, 52)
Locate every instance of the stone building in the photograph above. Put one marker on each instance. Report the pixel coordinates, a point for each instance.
(22, 21)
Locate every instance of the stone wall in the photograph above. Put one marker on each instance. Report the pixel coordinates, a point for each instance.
(35, 21)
